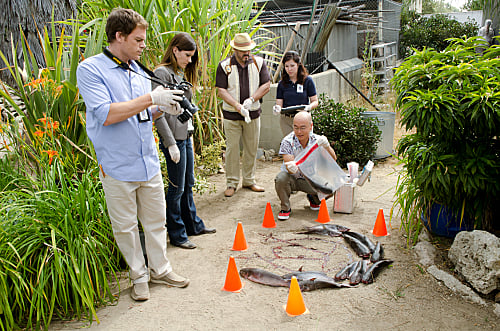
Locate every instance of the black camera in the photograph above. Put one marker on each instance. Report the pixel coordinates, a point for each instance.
(189, 108)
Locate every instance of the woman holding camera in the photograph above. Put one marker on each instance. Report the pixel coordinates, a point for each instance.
(295, 88)
(179, 64)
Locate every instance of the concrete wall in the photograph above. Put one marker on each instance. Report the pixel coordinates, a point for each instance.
(465, 16)
(328, 82)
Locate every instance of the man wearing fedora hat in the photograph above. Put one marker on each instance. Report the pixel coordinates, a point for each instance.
(242, 80)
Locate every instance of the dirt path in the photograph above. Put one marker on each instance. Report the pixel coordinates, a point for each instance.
(403, 297)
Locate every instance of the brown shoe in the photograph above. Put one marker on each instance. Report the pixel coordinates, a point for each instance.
(255, 188)
(229, 192)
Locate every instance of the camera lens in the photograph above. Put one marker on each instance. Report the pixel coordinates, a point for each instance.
(189, 110)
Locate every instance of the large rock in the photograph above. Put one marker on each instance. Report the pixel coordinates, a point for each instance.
(476, 256)
(425, 252)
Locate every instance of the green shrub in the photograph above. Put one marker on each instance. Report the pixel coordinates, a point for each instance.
(354, 137)
(418, 32)
(450, 100)
(209, 160)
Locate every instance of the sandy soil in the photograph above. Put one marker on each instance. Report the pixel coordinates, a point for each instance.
(403, 297)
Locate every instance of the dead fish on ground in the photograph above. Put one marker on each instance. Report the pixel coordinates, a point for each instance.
(361, 249)
(332, 230)
(364, 239)
(373, 270)
(355, 276)
(313, 280)
(308, 280)
(264, 277)
(345, 272)
(378, 253)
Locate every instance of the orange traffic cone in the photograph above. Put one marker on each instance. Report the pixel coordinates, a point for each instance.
(269, 221)
(233, 281)
(295, 304)
(240, 243)
(380, 230)
(323, 216)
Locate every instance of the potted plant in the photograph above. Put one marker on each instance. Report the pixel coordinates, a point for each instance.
(450, 100)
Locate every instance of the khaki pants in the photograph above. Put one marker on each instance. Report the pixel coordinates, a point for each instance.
(249, 135)
(284, 183)
(127, 202)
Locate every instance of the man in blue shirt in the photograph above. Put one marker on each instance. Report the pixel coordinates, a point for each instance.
(119, 102)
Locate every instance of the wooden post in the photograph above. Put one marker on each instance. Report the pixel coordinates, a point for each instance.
(287, 48)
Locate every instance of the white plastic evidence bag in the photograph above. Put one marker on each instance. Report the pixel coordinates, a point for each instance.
(321, 170)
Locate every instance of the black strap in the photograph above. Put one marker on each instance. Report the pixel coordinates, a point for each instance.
(124, 65)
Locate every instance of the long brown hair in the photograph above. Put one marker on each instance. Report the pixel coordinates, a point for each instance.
(301, 70)
(184, 42)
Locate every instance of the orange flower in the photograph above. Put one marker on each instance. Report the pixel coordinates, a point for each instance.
(38, 133)
(55, 125)
(35, 83)
(51, 155)
(43, 120)
(58, 91)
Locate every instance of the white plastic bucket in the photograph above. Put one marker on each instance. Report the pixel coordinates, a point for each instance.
(385, 122)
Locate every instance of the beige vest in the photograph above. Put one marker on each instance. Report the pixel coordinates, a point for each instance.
(233, 80)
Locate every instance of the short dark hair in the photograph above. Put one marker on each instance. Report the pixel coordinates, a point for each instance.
(124, 21)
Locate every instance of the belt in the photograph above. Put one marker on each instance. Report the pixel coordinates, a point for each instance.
(290, 115)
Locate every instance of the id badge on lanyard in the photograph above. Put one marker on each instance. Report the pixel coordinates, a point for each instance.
(143, 116)
(300, 88)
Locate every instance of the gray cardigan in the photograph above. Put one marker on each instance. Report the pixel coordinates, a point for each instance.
(169, 127)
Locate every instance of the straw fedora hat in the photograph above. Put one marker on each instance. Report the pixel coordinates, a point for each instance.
(242, 42)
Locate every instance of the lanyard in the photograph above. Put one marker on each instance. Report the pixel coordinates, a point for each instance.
(144, 115)
(124, 65)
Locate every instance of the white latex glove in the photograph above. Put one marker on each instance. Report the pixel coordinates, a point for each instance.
(291, 166)
(174, 109)
(165, 97)
(247, 103)
(174, 152)
(245, 113)
(322, 141)
(276, 109)
(308, 108)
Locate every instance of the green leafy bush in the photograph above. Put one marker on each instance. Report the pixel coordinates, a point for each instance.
(418, 32)
(451, 100)
(208, 162)
(354, 137)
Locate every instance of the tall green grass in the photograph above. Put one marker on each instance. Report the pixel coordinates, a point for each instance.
(57, 255)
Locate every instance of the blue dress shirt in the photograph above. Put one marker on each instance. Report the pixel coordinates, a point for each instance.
(126, 150)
